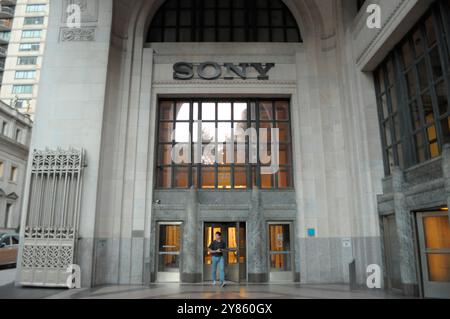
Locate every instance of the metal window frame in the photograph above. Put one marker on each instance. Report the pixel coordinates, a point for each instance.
(197, 27)
(439, 13)
(249, 167)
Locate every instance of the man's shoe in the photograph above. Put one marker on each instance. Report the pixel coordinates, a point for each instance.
(214, 283)
(222, 285)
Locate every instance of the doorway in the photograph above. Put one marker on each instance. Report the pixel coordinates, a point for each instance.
(169, 247)
(235, 237)
(281, 261)
(434, 246)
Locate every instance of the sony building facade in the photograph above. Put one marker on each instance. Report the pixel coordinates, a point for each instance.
(141, 78)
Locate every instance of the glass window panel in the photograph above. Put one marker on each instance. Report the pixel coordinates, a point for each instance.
(437, 232)
(282, 111)
(280, 262)
(276, 18)
(185, 18)
(181, 177)
(239, 18)
(292, 35)
(169, 238)
(165, 132)
(284, 132)
(415, 115)
(428, 108)
(401, 158)
(284, 178)
(208, 111)
(436, 63)
(208, 132)
(445, 124)
(431, 34)
(240, 177)
(439, 267)
(280, 240)
(209, 35)
(418, 43)
(397, 129)
(394, 100)
(390, 72)
(224, 133)
(434, 150)
(166, 111)
(407, 55)
(388, 133)
(261, 3)
(170, 35)
(263, 34)
(182, 134)
(165, 155)
(208, 154)
(240, 111)
(411, 84)
(391, 159)
(224, 18)
(195, 111)
(209, 18)
(164, 179)
(423, 77)
(239, 35)
(262, 18)
(185, 35)
(208, 177)
(290, 20)
(171, 18)
(265, 128)
(182, 111)
(267, 181)
(285, 156)
(384, 106)
(442, 96)
(277, 35)
(265, 111)
(380, 78)
(224, 35)
(224, 177)
(224, 111)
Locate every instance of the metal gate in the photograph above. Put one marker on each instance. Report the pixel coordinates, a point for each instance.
(49, 243)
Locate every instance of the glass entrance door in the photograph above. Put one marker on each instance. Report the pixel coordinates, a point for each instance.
(434, 240)
(280, 252)
(169, 252)
(234, 236)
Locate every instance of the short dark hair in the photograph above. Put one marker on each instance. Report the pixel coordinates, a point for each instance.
(219, 233)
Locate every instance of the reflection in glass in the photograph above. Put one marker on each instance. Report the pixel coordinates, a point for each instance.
(240, 111)
(169, 248)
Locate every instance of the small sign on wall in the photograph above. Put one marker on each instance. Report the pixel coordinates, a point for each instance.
(346, 242)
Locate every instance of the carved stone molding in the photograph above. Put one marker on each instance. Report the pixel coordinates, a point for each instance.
(77, 34)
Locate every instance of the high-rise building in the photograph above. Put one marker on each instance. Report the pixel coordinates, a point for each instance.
(26, 38)
(6, 20)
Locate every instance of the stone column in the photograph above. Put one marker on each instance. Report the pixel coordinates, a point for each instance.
(190, 272)
(446, 172)
(256, 233)
(405, 235)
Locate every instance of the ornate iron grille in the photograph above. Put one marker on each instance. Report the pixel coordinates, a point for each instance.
(52, 217)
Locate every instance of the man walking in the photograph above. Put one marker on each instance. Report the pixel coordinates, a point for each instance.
(216, 250)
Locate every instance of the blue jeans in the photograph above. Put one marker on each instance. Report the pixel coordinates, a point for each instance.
(221, 262)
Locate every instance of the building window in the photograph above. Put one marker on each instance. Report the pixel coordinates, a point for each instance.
(27, 47)
(25, 74)
(18, 135)
(22, 89)
(33, 20)
(224, 21)
(22, 103)
(36, 8)
(208, 144)
(8, 212)
(5, 128)
(27, 60)
(13, 174)
(2, 169)
(413, 86)
(27, 34)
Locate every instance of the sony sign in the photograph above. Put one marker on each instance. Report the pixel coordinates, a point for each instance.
(227, 71)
